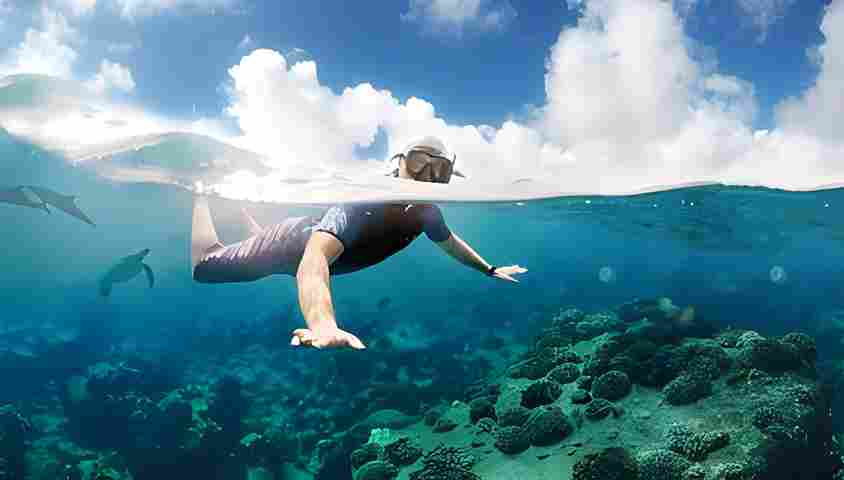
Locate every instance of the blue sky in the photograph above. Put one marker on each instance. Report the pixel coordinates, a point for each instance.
(179, 58)
(476, 62)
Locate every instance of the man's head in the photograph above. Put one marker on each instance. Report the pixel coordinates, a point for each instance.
(425, 160)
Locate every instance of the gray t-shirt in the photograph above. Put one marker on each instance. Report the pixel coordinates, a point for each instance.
(372, 232)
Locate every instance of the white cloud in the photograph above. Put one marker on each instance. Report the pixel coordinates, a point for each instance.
(627, 106)
(112, 76)
(138, 8)
(67, 116)
(806, 147)
(287, 115)
(77, 7)
(453, 17)
(266, 92)
(631, 105)
(765, 13)
(43, 51)
(820, 109)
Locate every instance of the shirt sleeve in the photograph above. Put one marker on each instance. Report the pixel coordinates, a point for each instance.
(435, 226)
(338, 222)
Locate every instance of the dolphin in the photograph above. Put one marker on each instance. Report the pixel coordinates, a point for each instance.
(40, 197)
(65, 203)
(22, 195)
(126, 269)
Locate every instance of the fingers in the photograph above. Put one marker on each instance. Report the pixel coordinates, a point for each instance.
(355, 342)
(504, 276)
(305, 337)
(301, 336)
(514, 269)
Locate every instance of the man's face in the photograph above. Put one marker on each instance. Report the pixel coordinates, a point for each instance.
(423, 168)
(424, 176)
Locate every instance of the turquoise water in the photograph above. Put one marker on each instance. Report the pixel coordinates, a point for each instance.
(750, 258)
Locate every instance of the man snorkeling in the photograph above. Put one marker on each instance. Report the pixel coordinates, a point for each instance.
(345, 239)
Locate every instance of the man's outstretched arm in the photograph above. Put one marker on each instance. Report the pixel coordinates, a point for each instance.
(463, 253)
(312, 279)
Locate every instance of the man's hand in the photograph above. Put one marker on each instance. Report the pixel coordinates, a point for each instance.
(505, 273)
(329, 338)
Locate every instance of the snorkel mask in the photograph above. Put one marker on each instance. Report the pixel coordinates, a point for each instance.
(426, 161)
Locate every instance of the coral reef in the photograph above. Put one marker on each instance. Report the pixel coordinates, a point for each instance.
(661, 465)
(547, 426)
(445, 462)
(613, 385)
(695, 446)
(620, 394)
(377, 470)
(14, 429)
(608, 464)
(512, 440)
(402, 452)
(541, 393)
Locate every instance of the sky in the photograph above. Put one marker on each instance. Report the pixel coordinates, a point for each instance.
(587, 92)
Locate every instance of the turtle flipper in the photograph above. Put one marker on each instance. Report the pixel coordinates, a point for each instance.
(150, 276)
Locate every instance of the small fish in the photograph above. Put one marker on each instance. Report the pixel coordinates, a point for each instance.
(384, 303)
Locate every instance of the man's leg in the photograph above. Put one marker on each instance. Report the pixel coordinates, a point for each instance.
(277, 248)
(203, 235)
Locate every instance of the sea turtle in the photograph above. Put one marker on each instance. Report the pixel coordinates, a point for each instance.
(124, 270)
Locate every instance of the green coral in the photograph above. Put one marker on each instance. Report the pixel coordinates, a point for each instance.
(402, 452)
(480, 408)
(598, 408)
(541, 393)
(514, 416)
(511, 440)
(692, 445)
(608, 464)
(446, 463)
(613, 385)
(729, 471)
(686, 389)
(377, 470)
(661, 465)
(547, 426)
(565, 373)
(366, 453)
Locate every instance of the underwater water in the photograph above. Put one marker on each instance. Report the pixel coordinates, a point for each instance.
(188, 380)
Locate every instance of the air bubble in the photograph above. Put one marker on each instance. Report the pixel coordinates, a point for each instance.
(606, 275)
(778, 275)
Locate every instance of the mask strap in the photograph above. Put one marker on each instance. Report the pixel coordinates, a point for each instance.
(395, 172)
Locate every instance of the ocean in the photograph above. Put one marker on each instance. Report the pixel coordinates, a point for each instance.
(189, 380)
